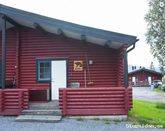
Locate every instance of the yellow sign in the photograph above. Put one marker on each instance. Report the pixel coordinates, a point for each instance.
(78, 65)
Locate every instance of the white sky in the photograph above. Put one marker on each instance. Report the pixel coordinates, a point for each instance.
(123, 16)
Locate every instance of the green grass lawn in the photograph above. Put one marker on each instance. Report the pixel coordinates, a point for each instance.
(145, 112)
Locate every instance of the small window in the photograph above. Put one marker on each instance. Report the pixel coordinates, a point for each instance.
(43, 71)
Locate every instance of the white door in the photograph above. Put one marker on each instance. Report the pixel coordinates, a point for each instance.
(149, 80)
(58, 77)
(134, 80)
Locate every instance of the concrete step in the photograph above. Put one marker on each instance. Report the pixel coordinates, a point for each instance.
(43, 106)
(41, 112)
(38, 118)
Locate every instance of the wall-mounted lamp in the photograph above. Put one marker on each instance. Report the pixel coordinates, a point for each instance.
(90, 62)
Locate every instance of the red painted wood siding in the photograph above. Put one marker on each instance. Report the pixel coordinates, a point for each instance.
(13, 101)
(34, 45)
(26, 45)
(120, 67)
(95, 101)
(10, 53)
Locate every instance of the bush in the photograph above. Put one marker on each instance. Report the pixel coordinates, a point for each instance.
(163, 80)
(159, 87)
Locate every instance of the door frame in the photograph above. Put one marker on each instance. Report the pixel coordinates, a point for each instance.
(50, 83)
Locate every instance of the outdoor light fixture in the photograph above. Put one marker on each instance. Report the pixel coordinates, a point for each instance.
(90, 62)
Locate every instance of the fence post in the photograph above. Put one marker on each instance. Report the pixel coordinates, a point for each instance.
(27, 99)
(64, 102)
(130, 93)
(20, 101)
(127, 99)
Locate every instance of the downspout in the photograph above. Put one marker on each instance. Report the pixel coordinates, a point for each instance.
(17, 64)
(126, 66)
(131, 48)
(3, 77)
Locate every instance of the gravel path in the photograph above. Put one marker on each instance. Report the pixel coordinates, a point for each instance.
(9, 124)
(145, 93)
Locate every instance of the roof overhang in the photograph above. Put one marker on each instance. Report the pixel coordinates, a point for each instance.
(97, 36)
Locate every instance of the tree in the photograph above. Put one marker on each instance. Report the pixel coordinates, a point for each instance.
(152, 66)
(155, 35)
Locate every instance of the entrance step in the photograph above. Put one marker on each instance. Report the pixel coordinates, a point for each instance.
(42, 112)
(53, 105)
(38, 118)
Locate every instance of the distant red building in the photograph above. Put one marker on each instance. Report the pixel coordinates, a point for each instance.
(143, 77)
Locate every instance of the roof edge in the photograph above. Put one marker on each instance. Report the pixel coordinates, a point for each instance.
(76, 28)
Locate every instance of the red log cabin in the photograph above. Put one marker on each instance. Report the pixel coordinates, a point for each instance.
(47, 59)
(143, 77)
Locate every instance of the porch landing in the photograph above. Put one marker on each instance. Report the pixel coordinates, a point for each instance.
(41, 112)
(44, 105)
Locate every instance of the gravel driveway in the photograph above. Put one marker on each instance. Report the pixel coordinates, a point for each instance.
(145, 93)
(9, 124)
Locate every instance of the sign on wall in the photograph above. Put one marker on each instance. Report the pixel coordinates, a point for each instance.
(78, 65)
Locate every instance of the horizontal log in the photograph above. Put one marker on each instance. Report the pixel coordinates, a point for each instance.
(94, 93)
(12, 90)
(10, 103)
(96, 107)
(93, 89)
(25, 106)
(11, 93)
(96, 96)
(9, 112)
(10, 100)
(96, 103)
(10, 107)
(96, 112)
(92, 100)
(26, 100)
(113, 97)
(11, 97)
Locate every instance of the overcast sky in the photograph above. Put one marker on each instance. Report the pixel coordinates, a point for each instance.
(123, 16)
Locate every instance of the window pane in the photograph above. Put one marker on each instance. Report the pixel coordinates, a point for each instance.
(47, 70)
(41, 64)
(41, 70)
(41, 76)
(46, 76)
(44, 70)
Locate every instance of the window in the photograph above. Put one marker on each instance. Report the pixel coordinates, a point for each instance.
(43, 70)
